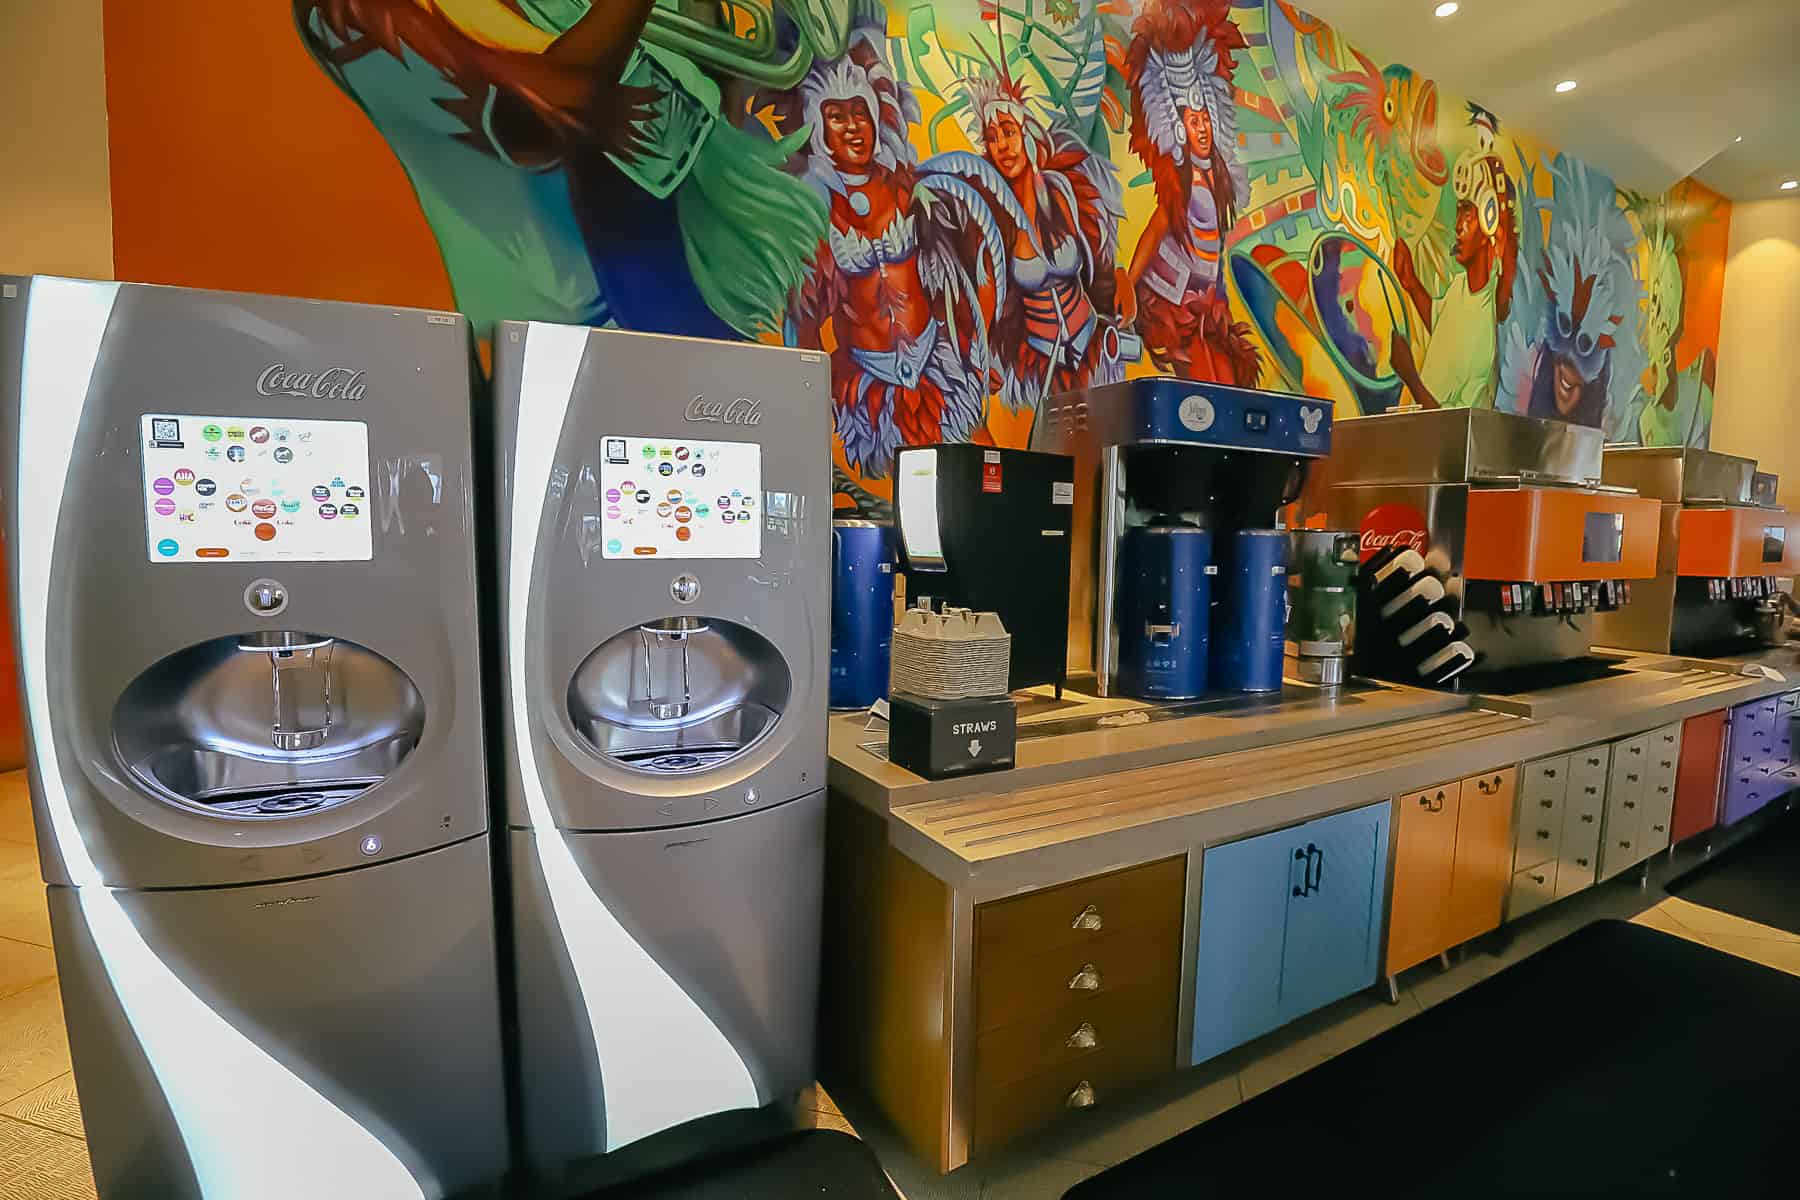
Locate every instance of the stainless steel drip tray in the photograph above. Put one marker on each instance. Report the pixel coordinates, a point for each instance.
(666, 747)
(288, 800)
(223, 781)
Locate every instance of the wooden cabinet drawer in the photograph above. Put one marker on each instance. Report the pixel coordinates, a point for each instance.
(1078, 913)
(1114, 961)
(1004, 1112)
(1532, 888)
(1083, 1027)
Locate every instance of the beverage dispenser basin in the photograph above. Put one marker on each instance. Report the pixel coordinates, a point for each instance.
(679, 694)
(267, 724)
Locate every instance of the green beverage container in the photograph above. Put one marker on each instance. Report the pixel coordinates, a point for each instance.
(1321, 628)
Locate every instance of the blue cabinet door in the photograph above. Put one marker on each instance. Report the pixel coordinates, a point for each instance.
(1333, 931)
(1244, 892)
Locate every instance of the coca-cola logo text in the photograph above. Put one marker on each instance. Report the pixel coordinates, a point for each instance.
(333, 383)
(742, 411)
(1399, 525)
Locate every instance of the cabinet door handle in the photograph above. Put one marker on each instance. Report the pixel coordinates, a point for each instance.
(1085, 980)
(1660, 828)
(1637, 749)
(1631, 804)
(1630, 778)
(1318, 868)
(1084, 1037)
(1581, 862)
(1666, 764)
(1538, 878)
(1587, 818)
(1591, 790)
(1664, 789)
(1088, 918)
(1544, 833)
(1593, 762)
(1082, 1097)
(1547, 803)
(1550, 772)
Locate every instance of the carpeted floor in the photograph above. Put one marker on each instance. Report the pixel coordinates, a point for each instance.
(1620, 1061)
(1757, 879)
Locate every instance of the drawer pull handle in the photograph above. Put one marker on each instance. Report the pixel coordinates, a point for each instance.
(1544, 833)
(1587, 818)
(1666, 764)
(1592, 791)
(1664, 789)
(1547, 803)
(1084, 1038)
(1637, 749)
(1631, 804)
(1082, 1097)
(1630, 778)
(1660, 828)
(1088, 918)
(1085, 980)
(1593, 762)
(1581, 862)
(1550, 772)
(1539, 878)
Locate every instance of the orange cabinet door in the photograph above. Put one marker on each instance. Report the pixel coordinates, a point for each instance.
(1424, 865)
(1484, 847)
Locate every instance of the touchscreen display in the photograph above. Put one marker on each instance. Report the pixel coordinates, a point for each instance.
(255, 489)
(680, 498)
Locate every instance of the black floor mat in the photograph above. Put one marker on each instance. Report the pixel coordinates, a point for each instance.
(821, 1164)
(1757, 879)
(1620, 1061)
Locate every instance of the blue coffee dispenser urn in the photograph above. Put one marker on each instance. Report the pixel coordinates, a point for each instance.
(1164, 594)
(1250, 618)
(862, 611)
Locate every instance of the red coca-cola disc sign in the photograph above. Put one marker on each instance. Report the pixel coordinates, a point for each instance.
(1387, 525)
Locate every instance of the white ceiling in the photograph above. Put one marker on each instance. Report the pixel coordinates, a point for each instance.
(1665, 85)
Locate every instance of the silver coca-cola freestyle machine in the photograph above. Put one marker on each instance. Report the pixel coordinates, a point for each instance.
(240, 537)
(663, 548)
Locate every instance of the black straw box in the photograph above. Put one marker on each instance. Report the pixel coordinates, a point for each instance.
(941, 738)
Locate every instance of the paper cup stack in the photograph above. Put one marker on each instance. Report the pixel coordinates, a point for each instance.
(952, 655)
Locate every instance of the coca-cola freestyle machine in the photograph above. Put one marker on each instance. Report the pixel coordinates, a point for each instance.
(1510, 514)
(241, 538)
(664, 553)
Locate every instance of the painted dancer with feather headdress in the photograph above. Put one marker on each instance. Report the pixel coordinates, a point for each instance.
(888, 279)
(1057, 207)
(1184, 128)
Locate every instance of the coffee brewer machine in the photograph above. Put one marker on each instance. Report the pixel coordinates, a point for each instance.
(1156, 456)
(664, 555)
(1512, 513)
(988, 530)
(240, 537)
(1725, 544)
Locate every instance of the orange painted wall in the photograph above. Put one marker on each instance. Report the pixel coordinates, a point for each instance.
(310, 201)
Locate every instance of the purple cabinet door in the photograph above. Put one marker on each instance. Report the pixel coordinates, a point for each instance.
(1745, 793)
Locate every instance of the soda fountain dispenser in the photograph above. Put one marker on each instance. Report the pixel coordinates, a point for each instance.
(664, 554)
(1525, 543)
(1725, 547)
(241, 537)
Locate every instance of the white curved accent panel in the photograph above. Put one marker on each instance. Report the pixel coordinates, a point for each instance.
(662, 1061)
(251, 1127)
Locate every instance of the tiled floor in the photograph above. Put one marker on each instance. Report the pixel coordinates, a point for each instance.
(43, 1155)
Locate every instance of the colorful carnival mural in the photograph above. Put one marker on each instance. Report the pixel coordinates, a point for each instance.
(972, 205)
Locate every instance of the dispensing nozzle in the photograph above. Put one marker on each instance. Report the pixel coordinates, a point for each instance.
(299, 684)
(669, 635)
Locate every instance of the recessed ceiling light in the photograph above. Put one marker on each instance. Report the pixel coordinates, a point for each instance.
(1790, 185)
(1446, 9)
(1567, 85)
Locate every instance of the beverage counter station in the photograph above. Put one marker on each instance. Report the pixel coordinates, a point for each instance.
(1180, 857)
(1134, 899)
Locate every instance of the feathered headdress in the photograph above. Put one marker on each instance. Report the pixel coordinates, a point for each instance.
(1182, 58)
(863, 74)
